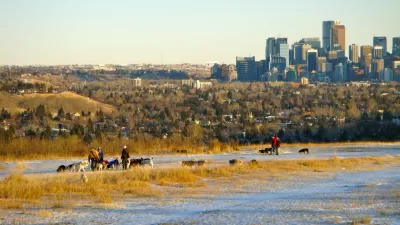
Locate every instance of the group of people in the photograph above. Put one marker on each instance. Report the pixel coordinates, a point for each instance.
(275, 145)
(97, 156)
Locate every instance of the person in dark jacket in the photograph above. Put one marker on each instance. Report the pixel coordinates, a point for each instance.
(125, 158)
(278, 145)
(101, 154)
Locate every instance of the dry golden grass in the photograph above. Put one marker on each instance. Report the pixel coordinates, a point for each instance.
(1, 167)
(109, 186)
(70, 102)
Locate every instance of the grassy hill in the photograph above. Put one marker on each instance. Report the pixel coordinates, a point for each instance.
(70, 102)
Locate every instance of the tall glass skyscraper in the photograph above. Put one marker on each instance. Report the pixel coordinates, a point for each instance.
(272, 46)
(327, 33)
(312, 60)
(381, 41)
(284, 52)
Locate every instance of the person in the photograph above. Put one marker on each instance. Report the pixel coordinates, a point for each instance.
(101, 154)
(93, 158)
(124, 158)
(273, 144)
(278, 145)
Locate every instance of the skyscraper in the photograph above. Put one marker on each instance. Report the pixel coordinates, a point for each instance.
(378, 52)
(284, 52)
(273, 46)
(353, 53)
(381, 41)
(312, 60)
(396, 46)
(339, 36)
(314, 42)
(377, 68)
(320, 61)
(366, 55)
(338, 76)
(326, 33)
(246, 68)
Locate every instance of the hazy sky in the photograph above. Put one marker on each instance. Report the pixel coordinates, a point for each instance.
(176, 31)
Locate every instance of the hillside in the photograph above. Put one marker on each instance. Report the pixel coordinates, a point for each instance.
(70, 102)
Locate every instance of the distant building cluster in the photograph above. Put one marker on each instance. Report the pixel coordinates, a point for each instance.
(310, 60)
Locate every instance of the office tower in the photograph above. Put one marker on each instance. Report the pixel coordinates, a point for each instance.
(291, 57)
(344, 61)
(314, 42)
(387, 75)
(232, 74)
(339, 36)
(338, 73)
(224, 72)
(312, 63)
(297, 53)
(291, 75)
(381, 41)
(246, 68)
(396, 46)
(326, 67)
(366, 55)
(277, 62)
(273, 46)
(378, 52)
(332, 55)
(340, 53)
(326, 33)
(284, 52)
(304, 49)
(377, 67)
(320, 61)
(216, 71)
(353, 53)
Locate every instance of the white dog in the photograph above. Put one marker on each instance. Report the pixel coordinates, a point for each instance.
(99, 166)
(147, 161)
(80, 166)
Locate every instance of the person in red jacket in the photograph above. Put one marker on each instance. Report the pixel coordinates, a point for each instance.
(273, 144)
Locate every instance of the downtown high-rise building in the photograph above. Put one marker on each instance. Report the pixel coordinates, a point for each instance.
(366, 55)
(315, 42)
(377, 52)
(354, 53)
(396, 46)
(273, 46)
(246, 68)
(284, 52)
(377, 68)
(381, 41)
(327, 33)
(312, 60)
(339, 37)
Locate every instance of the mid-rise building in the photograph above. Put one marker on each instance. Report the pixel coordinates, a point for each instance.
(382, 42)
(387, 75)
(320, 61)
(339, 36)
(339, 75)
(284, 52)
(327, 33)
(277, 62)
(354, 53)
(314, 42)
(246, 68)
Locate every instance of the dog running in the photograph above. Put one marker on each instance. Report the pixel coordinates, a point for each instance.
(303, 151)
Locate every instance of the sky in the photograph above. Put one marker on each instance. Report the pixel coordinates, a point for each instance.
(52, 32)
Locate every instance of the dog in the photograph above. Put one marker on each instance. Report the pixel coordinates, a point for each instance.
(253, 162)
(113, 164)
(265, 151)
(84, 178)
(80, 166)
(235, 162)
(148, 162)
(69, 167)
(134, 163)
(61, 168)
(99, 166)
(304, 151)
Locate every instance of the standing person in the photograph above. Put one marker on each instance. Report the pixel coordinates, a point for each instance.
(101, 154)
(93, 158)
(124, 158)
(278, 145)
(273, 144)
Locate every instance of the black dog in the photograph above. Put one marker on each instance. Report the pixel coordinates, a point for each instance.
(304, 151)
(265, 151)
(61, 168)
(69, 167)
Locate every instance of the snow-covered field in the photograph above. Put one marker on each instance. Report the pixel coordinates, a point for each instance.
(341, 198)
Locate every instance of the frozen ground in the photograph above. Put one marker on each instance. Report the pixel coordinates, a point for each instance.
(340, 198)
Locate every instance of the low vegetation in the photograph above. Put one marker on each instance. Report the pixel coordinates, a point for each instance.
(62, 190)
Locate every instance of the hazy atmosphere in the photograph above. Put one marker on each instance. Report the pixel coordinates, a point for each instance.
(176, 31)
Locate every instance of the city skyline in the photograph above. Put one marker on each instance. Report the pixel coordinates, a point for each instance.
(124, 32)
